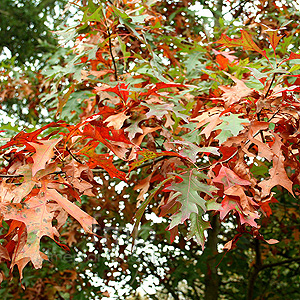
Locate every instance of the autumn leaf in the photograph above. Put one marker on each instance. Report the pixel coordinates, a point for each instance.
(228, 178)
(38, 221)
(121, 89)
(273, 37)
(235, 93)
(44, 152)
(85, 220)
(278, 176)
(158, 86)
(245, 41)
(230, 203)
(104, 161)
(116, 121)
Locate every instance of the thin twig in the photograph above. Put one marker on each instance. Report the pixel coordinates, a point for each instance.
(10, 176)
(147, 163)
(74, 157)
(273, 116)
(267, 93)
(20, 175)
(111, 54)
(261, 133)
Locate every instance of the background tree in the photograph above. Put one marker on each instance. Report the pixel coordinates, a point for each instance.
(25, 28)
(145, 78)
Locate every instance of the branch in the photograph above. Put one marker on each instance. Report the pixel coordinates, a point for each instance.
(168, 286)
(150, 162)
(258, 261)
(4, 12)
(147, 163)
(256, 269)
(44, 4)
(280, 263)
(258, 266)
(261, 133)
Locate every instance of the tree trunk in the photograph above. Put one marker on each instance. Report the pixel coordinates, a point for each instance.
(212, 277)
(255, 270)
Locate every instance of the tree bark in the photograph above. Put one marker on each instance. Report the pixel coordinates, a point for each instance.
(211, 277)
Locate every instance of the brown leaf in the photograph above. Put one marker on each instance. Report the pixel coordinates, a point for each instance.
(38, 221)
(278, 176)
(4, 253)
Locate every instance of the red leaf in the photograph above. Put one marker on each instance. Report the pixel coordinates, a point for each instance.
(228, 178)
(292, 56)
(245, 41)
(102, 134)
(273, 37)
(230, 203)
(102, 160)
(159, 86)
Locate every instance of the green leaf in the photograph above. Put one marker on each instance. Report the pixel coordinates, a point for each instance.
(73, 106)
(190, 199)
(141, 210)
(272, 126)
(231, 126)
(198, 226)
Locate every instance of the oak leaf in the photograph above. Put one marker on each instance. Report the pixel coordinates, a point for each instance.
(38, 220)
(245, 41)
(235, 93)
(190, 199)
(44, 152)
(278, 176)
(229, 178)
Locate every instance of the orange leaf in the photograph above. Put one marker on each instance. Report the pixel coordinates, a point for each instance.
(38, 221)
(44, 152)
(278, 176)
(85, 220)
